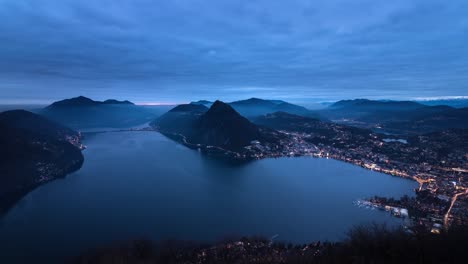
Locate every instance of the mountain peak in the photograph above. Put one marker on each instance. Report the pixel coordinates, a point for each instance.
(221, 110)
(75, 101)
(81, 98)
(219, 106)
(222, 126)
(255, 99)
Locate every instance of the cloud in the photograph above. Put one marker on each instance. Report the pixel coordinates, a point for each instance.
(175, 48)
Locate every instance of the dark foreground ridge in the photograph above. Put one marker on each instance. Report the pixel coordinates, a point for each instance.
(365, 244)
(34, 151)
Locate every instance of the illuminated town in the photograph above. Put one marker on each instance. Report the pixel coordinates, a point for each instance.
(441, 198)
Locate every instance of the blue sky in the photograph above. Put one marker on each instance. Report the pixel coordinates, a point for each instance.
(179, 50)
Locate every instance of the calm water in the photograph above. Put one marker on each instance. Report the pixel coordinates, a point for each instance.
(143, 185)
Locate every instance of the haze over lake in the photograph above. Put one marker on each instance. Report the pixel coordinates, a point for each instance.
(141, 184)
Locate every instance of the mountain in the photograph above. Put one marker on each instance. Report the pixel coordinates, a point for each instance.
(368, 111)
(77, 101)
(33, 123)
(34, 151)
(84, 101)
(432, 119)
(219, 130)
(400, 117)
(222, 126)
(82, 112)
(254, 107)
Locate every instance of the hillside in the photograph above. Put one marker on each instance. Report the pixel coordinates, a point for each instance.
(399, 117)
(222, 126)
(34, 151)
(318, 132)
(219, 129)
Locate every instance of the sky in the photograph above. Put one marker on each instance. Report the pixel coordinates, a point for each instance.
(173, 51)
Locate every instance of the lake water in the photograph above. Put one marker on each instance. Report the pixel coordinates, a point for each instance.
(143, 185)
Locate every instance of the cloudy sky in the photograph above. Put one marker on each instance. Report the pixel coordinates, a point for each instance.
(181, 50)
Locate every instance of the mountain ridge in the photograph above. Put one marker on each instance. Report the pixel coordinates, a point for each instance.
(85, 101)
(400, 117)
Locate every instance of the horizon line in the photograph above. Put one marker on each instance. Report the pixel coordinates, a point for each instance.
(169, 103)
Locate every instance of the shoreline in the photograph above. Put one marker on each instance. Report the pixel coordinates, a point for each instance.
(423, 179)
(427, 183)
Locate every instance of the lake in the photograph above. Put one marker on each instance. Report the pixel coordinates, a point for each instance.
(143, 185)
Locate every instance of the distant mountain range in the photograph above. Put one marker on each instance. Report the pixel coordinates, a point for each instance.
(84, 101)
(371, 105)
(401, 117)
(82, 112)
(458, 103)
(254, 107)
(33, 151)
(395, 117)
(345, 124)
(398, 117)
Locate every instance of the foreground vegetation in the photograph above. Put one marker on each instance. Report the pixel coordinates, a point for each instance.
(364, 244)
